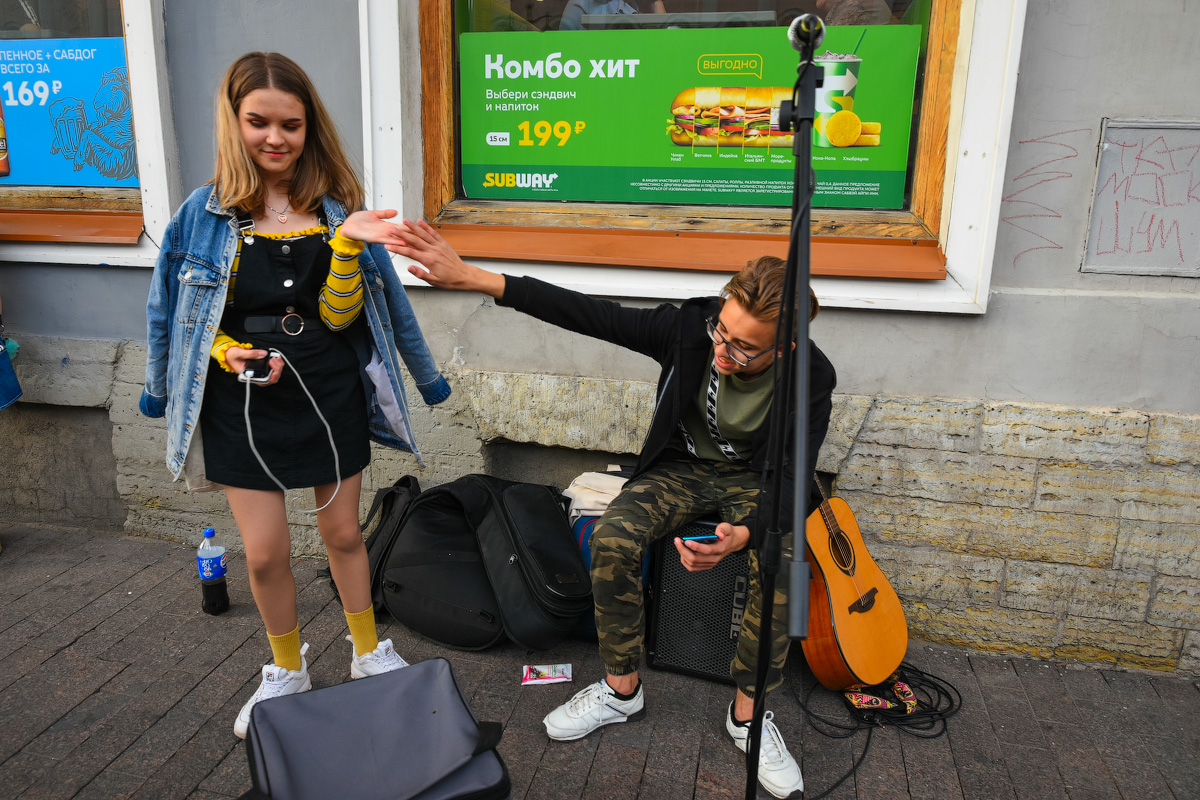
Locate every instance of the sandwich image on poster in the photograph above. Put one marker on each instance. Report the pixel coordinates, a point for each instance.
(729, 116)
(683, 116)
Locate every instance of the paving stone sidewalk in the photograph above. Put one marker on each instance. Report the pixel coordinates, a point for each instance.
(113, 684)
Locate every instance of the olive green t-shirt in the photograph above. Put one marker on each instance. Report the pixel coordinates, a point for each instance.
(742, 408)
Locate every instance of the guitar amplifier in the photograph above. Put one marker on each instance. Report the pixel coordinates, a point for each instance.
(693, 618)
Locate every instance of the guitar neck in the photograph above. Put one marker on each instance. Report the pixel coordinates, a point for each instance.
(827, 514)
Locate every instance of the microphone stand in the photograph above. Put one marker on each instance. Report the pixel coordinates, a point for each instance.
(796, 115)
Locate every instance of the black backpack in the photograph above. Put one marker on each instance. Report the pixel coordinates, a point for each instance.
(469, 561)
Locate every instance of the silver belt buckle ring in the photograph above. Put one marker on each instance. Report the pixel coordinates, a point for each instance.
(283, 325)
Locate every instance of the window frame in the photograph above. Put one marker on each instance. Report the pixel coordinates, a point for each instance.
(915, 226)
(125, 229)
(960, 169)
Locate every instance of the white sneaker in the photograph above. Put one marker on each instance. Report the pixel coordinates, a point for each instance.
(593, 707)
(276, 682)
(777, 770)
(380, 660)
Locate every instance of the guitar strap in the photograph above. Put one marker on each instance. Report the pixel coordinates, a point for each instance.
(710, 409)
(874, 698)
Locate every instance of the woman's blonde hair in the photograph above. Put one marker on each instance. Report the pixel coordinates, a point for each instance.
(758, 288)
(322, 167)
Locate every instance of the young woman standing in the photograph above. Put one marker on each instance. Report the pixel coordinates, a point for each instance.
(266, 260)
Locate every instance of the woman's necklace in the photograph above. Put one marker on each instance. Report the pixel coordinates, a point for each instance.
(281, 214)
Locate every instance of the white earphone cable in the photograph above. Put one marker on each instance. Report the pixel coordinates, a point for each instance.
(337, 466)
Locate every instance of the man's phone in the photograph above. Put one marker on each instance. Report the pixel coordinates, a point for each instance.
(703, 531)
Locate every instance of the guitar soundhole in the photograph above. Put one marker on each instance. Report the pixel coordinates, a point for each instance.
(842, 552)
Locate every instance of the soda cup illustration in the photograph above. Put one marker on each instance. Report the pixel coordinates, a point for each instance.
(837, 94)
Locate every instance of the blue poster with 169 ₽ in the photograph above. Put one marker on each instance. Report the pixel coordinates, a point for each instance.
(67, 112)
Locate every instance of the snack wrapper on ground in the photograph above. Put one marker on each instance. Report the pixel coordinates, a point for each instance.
(546, 673)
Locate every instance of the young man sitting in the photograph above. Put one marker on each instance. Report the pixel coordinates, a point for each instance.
(703, 456)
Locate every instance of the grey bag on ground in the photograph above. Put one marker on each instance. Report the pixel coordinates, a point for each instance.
(403, 735)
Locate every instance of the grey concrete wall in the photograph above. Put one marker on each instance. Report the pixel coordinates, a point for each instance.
(204, 38)
(74, 301)
(1054, 334)
(67, 471)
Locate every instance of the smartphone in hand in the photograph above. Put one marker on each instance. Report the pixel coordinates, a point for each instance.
(258, 370)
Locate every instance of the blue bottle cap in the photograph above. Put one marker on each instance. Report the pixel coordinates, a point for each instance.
(209, 533)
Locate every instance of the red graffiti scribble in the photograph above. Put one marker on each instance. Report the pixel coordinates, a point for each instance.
(1036, 176)
(1150, 178)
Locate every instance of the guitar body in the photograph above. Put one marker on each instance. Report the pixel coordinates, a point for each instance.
(856, 627)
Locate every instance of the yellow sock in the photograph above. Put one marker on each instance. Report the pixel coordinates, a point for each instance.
(286, 649)
(362, 630)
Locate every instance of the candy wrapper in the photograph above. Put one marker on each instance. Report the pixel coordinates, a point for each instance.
(546, 673)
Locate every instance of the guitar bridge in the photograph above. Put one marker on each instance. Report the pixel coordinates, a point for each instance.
(863, 604)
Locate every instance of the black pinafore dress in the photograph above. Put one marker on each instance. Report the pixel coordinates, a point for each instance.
(277, 277)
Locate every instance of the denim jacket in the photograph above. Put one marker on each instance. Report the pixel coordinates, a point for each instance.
(187, 299)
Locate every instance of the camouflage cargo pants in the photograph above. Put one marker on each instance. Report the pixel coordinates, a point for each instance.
(656, 504)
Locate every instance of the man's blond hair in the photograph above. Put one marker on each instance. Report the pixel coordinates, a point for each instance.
(758, 288)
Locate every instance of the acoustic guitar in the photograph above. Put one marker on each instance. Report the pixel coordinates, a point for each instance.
(856, 628)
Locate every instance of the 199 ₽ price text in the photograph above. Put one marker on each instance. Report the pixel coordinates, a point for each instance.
(542, 131)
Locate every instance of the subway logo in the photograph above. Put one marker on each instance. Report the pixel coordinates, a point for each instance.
(522, 180)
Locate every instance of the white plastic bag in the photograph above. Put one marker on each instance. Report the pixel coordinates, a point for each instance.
(591, 492)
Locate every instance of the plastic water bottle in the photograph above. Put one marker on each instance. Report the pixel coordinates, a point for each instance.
(211, 559)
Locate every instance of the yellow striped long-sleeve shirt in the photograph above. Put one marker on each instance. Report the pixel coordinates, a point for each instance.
(342, 295)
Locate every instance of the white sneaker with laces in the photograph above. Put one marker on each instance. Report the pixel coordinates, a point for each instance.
(276, 682)
(380, 660)
(593, 707)
(777, 770)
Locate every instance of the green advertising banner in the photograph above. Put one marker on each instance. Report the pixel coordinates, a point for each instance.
(683, 116)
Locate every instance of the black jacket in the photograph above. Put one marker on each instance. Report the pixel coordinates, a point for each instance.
(676, 337)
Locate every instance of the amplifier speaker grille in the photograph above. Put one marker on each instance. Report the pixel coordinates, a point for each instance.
(693, 618)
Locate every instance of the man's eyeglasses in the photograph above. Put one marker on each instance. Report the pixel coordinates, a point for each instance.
(737, 354)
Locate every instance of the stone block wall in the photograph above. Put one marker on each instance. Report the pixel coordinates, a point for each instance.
(1015, 527)
(57, 462)
(1036, 529)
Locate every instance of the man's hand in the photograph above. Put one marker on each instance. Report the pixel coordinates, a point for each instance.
(697, 556)
(442, 266)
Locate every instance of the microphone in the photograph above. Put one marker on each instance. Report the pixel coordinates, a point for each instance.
(806, 31)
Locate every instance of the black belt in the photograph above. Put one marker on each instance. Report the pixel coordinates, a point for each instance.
(291, 324)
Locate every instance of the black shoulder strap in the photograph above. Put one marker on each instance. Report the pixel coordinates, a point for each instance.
(403, 490)
(476, 493)
(389, 506)
(489, 737)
